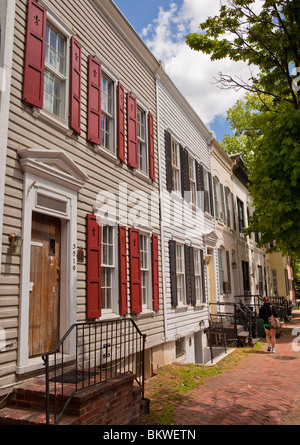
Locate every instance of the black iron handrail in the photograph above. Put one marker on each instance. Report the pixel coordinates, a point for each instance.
(102, 350)
(241, 313)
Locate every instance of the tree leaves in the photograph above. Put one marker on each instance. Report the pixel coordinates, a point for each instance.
(268, 38)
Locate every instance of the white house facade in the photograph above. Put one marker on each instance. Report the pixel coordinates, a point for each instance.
(187, 223)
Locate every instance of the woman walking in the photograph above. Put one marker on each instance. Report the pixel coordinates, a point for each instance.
(265, 312)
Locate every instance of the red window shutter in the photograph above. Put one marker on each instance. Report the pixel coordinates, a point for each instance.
(121, 123)
(93, 273)
(155, 276)
(135, 271)
(75, 86)
(132, 132)
(33, 82)
(123, 270)
(151, 147)
(94, 102)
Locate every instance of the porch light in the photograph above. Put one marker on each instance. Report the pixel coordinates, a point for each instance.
(14, 242)
(206, 260)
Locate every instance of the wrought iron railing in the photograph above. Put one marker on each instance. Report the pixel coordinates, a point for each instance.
(101, 351)
(256, 301)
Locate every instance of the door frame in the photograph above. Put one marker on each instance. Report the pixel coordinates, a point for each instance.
(55, 184)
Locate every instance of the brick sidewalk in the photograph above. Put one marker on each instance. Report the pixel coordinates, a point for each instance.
(262, 389)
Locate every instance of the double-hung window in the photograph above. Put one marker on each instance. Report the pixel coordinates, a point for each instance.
(198, 281)
(55, 74)
(175, 166)
(240, 206)
(180, 274)
(145, 268)
(221, 270)
(108, 267)
(141, 137)
(107, 113)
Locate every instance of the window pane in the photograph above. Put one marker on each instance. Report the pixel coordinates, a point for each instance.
(53, 89)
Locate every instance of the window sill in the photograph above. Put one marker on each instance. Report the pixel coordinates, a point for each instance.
(181, 308)
(52, 120)
(142, 175)
(145, 313)
(106, 153)
(208, 215)
(109, 316)
(176, 196)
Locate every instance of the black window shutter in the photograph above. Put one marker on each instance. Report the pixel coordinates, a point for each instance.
(184, 167)
(211, 197)
(172, 258)
(168, 152)
(233, 211)
(199, 177)
(192, 276)
(187, 273)
(202, 276)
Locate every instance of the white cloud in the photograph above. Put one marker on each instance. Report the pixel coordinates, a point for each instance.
(191, 71)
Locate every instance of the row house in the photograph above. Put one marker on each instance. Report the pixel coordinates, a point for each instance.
(81, 229)
(116, 201)
(187, 224)
(241, 264)
(243, 268)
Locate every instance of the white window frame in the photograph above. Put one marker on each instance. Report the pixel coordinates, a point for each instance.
(175, 166)
(62, 29)
(111, 148)
(142, 141)
(198, 276)
(113, 267)
(192, 178)
(146, 272)
(180, 275)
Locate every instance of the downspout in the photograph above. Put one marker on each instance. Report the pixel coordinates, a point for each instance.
(161, 216)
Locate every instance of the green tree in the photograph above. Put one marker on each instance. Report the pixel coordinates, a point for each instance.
(267, 132)
(265, 34)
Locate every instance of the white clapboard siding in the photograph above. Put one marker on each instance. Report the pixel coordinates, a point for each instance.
(102, 31)
(178, 118)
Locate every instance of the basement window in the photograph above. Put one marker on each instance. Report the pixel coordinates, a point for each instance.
(180, 349)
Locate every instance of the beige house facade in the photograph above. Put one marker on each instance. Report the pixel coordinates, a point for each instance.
(242, 265)
(81, 181)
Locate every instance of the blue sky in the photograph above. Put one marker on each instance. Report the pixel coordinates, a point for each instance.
(163, 24)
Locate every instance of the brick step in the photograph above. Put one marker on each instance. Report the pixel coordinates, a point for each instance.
(19, 416)
(107, 403)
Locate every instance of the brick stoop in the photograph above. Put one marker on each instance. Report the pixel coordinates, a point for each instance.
(117, 402)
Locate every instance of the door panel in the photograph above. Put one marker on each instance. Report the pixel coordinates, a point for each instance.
(44, 300)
